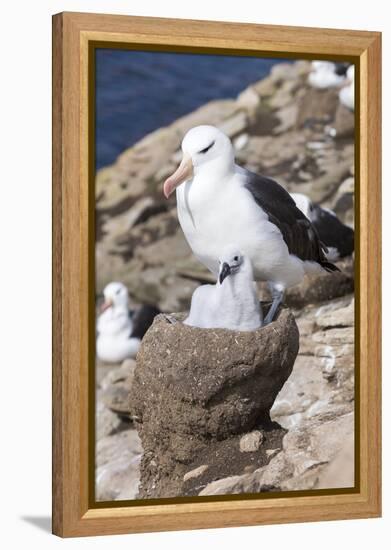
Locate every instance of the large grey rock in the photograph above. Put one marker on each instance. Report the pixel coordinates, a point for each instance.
(224, 486)
(340, 470)
(197, 472)
(116, 387)
(344, 122)
(318, 454)
(330, 315)
(322, 380)
(118, 466)
(323, 287)
(107, 422)
(192, 386)
(317, 106)
(310, 448)
(215, 112)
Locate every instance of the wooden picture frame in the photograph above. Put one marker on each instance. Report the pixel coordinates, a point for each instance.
(74, 37)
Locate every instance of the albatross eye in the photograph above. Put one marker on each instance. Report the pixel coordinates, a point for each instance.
(203, 151)
(236, 258)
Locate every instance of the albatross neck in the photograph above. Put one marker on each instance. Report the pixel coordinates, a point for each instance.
(216, 169)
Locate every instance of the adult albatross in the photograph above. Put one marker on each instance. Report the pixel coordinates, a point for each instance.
(219, 203)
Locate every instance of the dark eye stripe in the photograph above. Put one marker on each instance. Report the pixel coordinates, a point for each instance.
(207, 148)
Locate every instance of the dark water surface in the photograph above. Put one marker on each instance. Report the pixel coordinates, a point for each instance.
(137, 92)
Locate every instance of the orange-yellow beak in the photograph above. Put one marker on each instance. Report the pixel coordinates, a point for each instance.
(182, 173)
(106, 305)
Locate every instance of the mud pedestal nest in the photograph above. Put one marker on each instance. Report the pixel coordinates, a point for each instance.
(196, 392)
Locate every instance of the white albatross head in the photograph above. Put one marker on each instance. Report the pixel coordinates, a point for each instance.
(203, 147)
(116, 296)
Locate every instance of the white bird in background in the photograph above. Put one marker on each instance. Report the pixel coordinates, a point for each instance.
(221, 203)
(338, 237)
(325, 74)
(119, 331)
(346, 94)
(231, 303)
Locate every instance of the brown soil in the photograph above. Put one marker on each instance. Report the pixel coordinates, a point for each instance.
(225, 459)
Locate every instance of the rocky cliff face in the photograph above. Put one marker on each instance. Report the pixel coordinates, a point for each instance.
(303, 138)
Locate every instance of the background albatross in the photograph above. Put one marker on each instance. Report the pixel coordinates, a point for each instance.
(120, 330)
(220, 203)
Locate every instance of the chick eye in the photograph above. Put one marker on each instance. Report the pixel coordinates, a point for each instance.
(118, 291)
(236, 258)
(203, 151)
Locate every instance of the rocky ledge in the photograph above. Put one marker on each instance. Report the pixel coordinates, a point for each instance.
(302, 137)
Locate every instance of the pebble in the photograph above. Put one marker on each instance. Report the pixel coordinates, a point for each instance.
(197, 472)
(251, 442)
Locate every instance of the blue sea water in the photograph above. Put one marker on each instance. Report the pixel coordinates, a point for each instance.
(137, 92)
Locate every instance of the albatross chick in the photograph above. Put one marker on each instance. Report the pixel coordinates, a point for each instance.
(232, 302)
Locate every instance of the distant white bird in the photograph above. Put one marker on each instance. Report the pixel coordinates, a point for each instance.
(221, 203)
(338, 237)
(231, 303)
(119, 331)
(325, 74)
(346, 94)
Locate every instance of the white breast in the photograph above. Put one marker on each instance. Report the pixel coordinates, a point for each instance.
(232, 305)
(214, 214)
(113, 342)
(112, 349)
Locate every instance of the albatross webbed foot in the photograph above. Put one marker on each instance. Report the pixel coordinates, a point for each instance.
(278, 296)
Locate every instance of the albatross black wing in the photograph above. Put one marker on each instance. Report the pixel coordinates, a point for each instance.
(341, 68)
(142, 320)
(332, 231)
(297, 231)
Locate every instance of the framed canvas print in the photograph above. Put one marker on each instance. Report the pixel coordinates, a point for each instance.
(216, 215)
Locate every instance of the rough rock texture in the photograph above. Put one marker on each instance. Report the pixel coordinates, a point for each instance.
(323, 287)
(118, 446)
(107, 422)
(322, 381)
(315, 455)
(116, 387)
(251, 442)
(192, 385)
(117, 466)
(304, 139)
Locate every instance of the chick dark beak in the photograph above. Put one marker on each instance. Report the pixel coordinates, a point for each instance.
(224, 272)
